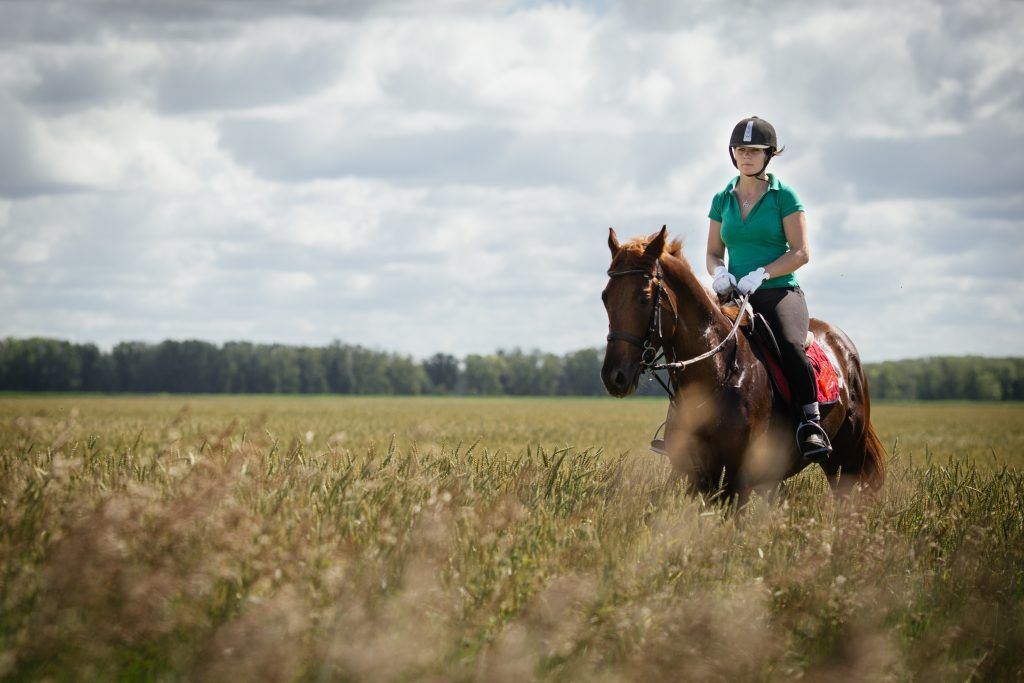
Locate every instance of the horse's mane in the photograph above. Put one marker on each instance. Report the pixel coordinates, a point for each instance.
(631, 255)
(632, 252)
(638, 244)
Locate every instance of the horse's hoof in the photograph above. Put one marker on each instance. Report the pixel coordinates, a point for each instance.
(658, 446)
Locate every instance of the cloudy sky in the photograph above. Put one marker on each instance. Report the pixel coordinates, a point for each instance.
(440, 176)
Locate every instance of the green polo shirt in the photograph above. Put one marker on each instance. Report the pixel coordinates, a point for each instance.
(759, 240)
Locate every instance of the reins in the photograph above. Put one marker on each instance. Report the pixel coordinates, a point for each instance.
(679, 365)
(649, 354)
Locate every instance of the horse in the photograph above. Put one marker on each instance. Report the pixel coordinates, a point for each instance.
(728, 432)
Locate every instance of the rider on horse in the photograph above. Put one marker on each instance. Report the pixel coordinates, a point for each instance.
(760, 222)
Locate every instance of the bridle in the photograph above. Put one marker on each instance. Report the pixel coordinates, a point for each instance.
(649, 353)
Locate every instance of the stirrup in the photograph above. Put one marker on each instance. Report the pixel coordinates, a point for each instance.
(818, 454)
(658, 445)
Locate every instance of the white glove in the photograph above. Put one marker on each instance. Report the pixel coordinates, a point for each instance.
(724, 281)
(751, 281)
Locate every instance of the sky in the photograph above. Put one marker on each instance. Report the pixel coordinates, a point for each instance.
(428, 177)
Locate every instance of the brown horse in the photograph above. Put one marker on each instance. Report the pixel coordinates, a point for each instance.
(728, 432)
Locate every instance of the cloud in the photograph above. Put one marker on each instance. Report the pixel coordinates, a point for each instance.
(296, 151)
(974, 163)
(262, 65)
(23, 173)
(443, 180)
(72, 79)
(67, 21)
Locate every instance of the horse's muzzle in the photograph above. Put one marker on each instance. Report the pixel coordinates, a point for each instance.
(620, 380)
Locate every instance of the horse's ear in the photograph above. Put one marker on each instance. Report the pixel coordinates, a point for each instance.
(657, 244)
(613, 242)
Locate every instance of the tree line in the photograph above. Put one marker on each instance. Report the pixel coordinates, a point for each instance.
(40, 364)
(973, 378)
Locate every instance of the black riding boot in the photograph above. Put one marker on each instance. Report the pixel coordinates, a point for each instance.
(810, 437)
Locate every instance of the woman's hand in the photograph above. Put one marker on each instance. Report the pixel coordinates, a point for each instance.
(749, 283)
(724, 281)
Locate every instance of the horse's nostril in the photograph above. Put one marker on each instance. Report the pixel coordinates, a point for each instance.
(619, 379)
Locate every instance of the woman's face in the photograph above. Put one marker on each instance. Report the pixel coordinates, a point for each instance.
(749, 159)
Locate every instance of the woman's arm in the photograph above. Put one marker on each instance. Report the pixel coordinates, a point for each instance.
(716, 247)
(795, 227)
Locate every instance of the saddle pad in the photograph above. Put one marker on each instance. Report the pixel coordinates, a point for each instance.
(824, 374)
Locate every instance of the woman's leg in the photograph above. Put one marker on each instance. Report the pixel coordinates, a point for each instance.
(786, 312)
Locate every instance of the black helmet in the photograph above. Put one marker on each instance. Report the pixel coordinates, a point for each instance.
(754, 132)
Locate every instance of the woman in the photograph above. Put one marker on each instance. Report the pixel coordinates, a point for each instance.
(760, 222)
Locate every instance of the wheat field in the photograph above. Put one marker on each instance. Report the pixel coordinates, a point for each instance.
(343, 538)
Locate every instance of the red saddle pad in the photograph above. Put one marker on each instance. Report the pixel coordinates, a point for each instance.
(824, 374)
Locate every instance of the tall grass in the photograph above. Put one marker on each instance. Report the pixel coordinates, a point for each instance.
(292, 539)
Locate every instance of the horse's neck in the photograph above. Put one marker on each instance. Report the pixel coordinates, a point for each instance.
(701, 325)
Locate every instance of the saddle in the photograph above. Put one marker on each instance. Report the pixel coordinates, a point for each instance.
(762, 341)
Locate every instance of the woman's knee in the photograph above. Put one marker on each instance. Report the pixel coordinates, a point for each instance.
(793, 353)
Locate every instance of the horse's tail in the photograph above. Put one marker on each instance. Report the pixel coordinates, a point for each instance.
(872, 471)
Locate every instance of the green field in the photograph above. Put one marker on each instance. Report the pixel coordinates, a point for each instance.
(328, 538)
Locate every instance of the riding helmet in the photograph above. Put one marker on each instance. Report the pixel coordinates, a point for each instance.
(754, 132)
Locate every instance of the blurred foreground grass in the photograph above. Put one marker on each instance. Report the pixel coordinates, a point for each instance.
(270, 538)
